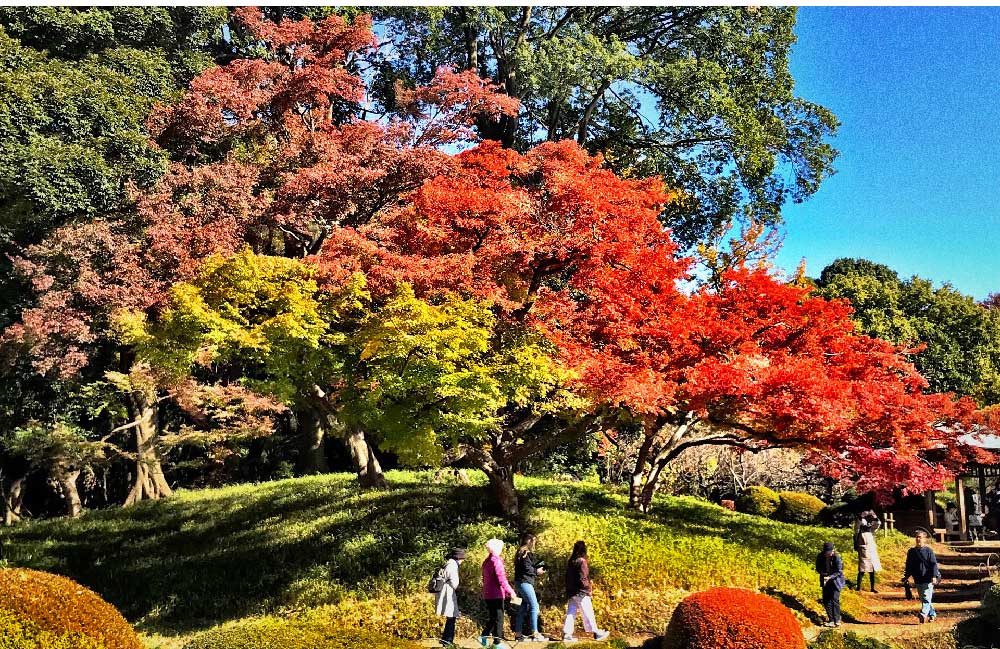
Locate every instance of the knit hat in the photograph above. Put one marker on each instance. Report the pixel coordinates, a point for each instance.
(495, 546)
(828, 547)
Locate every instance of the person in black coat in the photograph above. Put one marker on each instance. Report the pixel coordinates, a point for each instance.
(830, 567)
(922, 565)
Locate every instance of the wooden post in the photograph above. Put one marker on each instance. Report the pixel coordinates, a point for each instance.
(982, 484)
(929, 504)
(963, 522)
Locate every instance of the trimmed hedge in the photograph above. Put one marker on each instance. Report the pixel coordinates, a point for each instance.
(16, 633)
(732, 618)
(800, 508)
(270, 632)
(57, 605)
(849, 640)
(759, 501)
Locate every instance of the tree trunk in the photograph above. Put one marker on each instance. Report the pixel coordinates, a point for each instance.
(502, 484)
(148, 482)
(313, 433)
(639, 473)
(70, 493)
(12, 500)
(649, 489)
(365, 463)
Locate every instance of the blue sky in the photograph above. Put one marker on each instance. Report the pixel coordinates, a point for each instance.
(917, 91)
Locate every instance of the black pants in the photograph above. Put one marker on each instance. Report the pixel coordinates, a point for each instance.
(831, 601)
(494, 619)
(448, 635)
(871, 580)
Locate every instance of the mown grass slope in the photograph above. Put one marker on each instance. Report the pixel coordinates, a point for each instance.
(316, 547)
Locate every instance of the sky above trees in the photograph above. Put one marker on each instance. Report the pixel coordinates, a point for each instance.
(916, 90)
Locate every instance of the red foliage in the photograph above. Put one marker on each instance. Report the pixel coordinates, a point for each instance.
(732, 618)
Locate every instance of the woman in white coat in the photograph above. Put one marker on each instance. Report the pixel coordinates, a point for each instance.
(864, 543)
(446, 603)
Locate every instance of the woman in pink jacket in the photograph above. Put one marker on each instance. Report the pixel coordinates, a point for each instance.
(496, 588)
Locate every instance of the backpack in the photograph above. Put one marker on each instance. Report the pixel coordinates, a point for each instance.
(437, 581)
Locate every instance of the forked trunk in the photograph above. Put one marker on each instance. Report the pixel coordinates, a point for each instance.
(148, 482)
(69, 491)
(12, 501)
(638, 477)
(366, 465)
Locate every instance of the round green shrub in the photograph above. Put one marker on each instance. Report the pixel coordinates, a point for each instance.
(801, 508)
(849, 640)
(269, 632)
(61, 607)
(759, 501)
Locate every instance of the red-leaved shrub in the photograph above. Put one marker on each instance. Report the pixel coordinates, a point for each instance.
(732, 618)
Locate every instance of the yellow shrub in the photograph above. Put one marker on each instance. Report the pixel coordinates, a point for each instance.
(312, 633)
(24, 634)
(62, 607)
(801, 508)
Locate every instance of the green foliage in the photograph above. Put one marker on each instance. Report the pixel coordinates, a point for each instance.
(20, 633)
(212, 556)
(962, 337)
(268, 632)
(759, 501)
(800, 508)
(729, 131)
(849, 640)
(991, 605)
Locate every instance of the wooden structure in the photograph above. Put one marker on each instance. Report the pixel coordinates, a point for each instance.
(976, 473)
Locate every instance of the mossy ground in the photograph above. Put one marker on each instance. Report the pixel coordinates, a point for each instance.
(317, 546)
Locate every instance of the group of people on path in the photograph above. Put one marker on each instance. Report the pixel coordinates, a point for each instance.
(921, 566)
(497, 591)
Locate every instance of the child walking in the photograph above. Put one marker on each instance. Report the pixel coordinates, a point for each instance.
(579, 591)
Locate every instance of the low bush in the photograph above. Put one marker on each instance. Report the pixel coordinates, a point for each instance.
(59, 606)
(732, 618)
(312, 633)
(800, 508)
(849, 640)
(990, 610)
(759, 501)
(16, 633)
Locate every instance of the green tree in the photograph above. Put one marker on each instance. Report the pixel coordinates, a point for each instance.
(700, 95)
(959, 339)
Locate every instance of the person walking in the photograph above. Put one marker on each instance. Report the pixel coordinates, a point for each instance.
(579, 590)
(830, 567)
(864, 543)
(952, 522)
(922, 566)
(527, 568)
(496, 589)
(977, 514)
(446, 603)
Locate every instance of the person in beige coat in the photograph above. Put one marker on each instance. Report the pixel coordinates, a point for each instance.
(446, 602)
(864, 543)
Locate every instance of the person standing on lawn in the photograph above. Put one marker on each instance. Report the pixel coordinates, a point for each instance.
(922, 565)
(830, 567)
(579, 590)
(864, 543)
(527, 568)
(446, 603)
(496, 589)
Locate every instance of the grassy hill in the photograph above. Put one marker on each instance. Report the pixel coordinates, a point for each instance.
(316, 548)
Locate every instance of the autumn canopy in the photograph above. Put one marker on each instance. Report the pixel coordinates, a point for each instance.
(390, 280)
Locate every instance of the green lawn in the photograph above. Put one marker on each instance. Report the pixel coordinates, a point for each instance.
(317, 548)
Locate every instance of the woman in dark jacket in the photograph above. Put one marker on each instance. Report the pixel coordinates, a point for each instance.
(579, 591)
(830, 567)
(527, 568)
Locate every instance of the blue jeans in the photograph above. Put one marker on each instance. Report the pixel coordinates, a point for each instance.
(926, 592)
(529, 606)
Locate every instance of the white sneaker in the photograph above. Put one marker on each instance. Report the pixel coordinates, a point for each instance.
(601, 635)
(537, 637)
(568, 638)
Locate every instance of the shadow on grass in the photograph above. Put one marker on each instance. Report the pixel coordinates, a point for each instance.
(189, 563)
